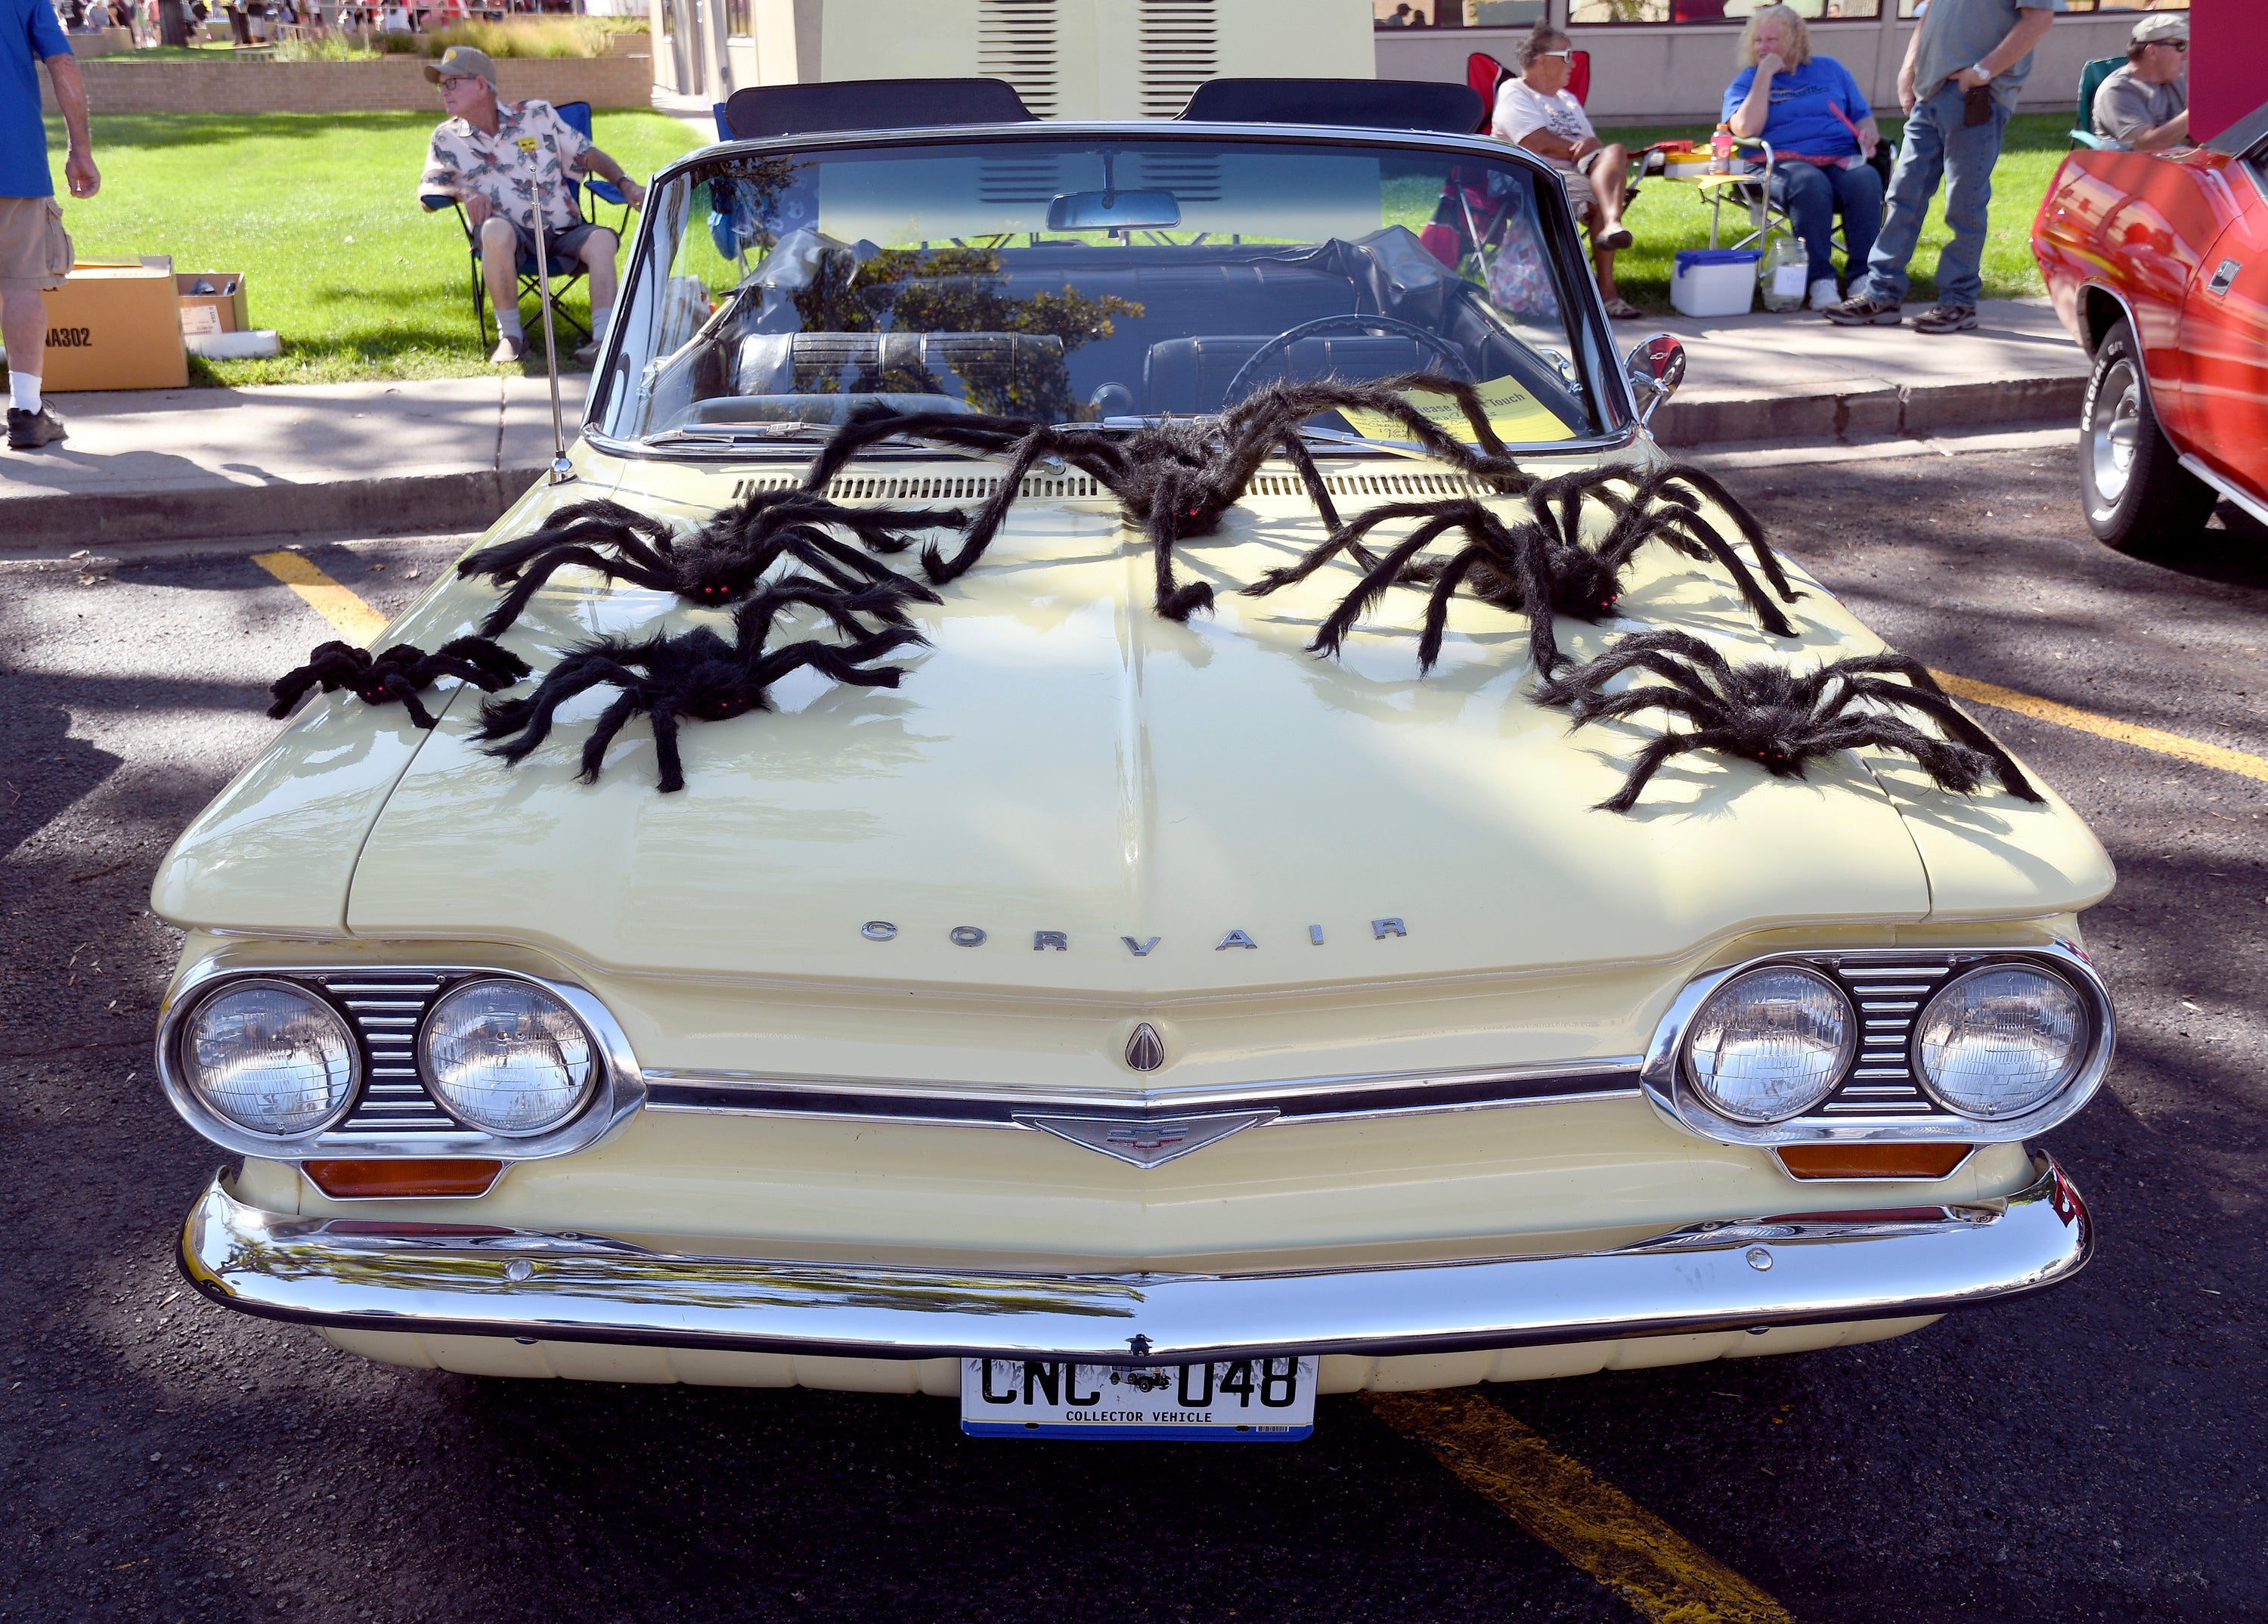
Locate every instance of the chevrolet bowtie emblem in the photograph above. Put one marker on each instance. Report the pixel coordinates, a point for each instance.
(1147, 1142)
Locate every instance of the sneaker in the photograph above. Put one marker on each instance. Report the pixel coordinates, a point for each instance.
(28, 431)
(587, 353)
(508, 352)
(1946, 318)
(1824, 292)
(1861, 311)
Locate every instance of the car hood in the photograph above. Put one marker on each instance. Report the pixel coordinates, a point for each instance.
(1070, 795)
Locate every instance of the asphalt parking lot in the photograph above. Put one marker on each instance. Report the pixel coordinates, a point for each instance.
(2098, 1452)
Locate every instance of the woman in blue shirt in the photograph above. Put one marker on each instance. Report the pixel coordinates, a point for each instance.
(1821, 132)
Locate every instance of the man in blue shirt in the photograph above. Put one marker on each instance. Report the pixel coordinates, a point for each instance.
(35, 254)
(1963, 69)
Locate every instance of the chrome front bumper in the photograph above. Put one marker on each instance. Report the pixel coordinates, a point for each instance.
(470, 1280)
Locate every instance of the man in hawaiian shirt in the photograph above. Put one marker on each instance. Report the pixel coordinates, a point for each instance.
(477, 157)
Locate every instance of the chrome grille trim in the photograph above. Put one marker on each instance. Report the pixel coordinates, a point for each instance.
(1306, 1099)
(1881, 1097)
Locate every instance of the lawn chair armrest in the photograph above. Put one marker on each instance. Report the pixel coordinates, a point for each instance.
(607, 191)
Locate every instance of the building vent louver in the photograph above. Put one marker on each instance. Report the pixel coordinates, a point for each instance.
(1018, 41)
(1179, 50)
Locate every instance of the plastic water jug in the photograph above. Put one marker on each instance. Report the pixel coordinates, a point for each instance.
(1782, 274)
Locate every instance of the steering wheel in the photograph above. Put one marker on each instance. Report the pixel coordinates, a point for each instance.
(1285, 339)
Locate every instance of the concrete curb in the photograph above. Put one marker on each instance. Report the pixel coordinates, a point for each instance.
(401, 505)
(1912, 410)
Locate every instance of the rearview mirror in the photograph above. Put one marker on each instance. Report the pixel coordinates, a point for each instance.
(1655, 367)
(1102, 211)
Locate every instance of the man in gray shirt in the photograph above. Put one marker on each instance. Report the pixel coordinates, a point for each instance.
(2145, 106)
(1963, 69)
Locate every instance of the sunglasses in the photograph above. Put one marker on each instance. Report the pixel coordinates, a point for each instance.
(1567, 55)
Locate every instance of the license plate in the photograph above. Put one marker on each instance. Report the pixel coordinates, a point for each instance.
(1234, 1400)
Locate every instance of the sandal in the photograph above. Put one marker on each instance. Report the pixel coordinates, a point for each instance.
(1623, 310)
(1613, 241)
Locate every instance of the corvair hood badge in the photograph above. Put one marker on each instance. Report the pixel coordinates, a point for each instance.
(1059, 942)
(1147, 1142)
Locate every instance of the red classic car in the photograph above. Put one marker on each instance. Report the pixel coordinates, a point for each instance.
(2158, 263)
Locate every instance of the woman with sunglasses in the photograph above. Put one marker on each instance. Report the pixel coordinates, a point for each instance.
(1535, 111)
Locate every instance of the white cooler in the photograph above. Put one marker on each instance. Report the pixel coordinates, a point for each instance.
(1714, 282)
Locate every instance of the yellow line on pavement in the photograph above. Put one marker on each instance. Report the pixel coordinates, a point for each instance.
(1593, 1525)
(2086, 721)
(354, 618)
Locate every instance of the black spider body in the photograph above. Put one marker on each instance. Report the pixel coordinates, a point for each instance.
(396, 676)
(1544, 557)
(717, 564)
(1175, 478)
(701, 676)
(1780, 719)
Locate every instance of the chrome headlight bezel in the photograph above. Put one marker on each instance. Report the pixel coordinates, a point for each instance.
(358, 1065)
(619, 1091)
(585, 1091)
(1909, 1113)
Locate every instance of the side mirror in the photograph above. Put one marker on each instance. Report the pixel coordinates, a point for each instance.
(1655, 367)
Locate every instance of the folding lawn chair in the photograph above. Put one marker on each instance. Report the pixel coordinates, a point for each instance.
(2090, 80)
(564, 277)
(1466, 218)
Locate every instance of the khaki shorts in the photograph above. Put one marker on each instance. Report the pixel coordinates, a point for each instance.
(35, 250)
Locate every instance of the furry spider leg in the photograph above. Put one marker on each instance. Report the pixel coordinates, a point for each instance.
(1396, 566)
(292, 686)
(1347, 538)
(1751, 528)
(1035, 445)
(527, 581)
(1581, 689)
(1652, 760)
(1955, 766)
(531, 717)
(1933, 701)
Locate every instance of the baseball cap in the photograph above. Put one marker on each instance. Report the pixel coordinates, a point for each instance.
(462, 61)
(2161, 26)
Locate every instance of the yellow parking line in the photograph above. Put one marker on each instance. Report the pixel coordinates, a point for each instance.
(2086, 721)
(1593, 1525)
(354, 618)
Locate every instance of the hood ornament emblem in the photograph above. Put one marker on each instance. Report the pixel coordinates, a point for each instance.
(1146, 1051)
(1147, 1142)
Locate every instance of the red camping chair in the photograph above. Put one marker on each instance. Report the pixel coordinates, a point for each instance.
(1465, 218)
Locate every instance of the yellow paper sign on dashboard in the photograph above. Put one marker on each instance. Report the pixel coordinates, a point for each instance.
(1516, 414)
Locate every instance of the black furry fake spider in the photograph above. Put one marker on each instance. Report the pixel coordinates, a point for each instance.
(1175, 478)
(699, 675)
(721, 563)
(1544, 559)
(1780, 719)
(397, 675)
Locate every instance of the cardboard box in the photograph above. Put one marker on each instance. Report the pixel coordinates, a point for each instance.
(114, 327)
(220, 311)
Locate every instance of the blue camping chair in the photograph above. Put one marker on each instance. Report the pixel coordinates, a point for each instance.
(2090, 80)
(578, 117)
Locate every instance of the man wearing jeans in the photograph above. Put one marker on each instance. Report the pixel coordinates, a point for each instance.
(1963, 69)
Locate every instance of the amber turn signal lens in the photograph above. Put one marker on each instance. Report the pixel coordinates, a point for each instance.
(1869, 1161)
(405, 1176)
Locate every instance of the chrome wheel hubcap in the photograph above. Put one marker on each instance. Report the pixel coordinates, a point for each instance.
(2113, 429)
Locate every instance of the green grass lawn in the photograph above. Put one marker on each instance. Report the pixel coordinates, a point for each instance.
(1669, 216)
(319, 212)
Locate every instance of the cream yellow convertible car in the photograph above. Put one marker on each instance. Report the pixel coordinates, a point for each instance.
(1052, 850)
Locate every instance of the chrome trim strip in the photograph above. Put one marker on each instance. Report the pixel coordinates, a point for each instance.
(1304, 1099)
(619, 1097)
(459, 1278)
(1668, 1090)
(2253, 506)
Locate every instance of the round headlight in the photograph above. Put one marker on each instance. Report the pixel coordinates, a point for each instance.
(1770, 1045)
(270, 1058)
(507, 1057)
(2000, 1041)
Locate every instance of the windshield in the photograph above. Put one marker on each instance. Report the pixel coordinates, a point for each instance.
(1092, 278)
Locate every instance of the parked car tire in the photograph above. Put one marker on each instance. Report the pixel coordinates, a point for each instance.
(2139, 497)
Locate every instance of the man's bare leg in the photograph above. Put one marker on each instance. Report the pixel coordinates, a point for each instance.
(500, 269)
(1610, 178)
(24, 327)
